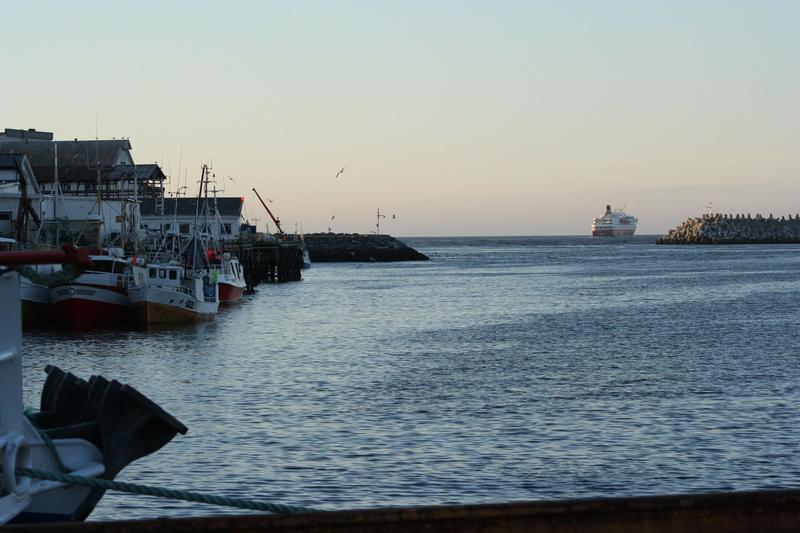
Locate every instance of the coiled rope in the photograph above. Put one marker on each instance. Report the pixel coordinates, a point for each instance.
(148, 490)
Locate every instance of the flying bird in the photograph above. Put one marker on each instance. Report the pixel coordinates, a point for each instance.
(339, 173)
(230, 178)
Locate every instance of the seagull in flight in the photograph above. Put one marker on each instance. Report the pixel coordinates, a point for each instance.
(230, 178)
(340, 172)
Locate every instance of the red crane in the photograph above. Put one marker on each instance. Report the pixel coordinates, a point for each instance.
(277, 221)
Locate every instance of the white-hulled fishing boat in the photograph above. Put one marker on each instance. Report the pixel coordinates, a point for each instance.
(169, 293)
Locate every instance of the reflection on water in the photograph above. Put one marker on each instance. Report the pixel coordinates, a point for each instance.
(503, 369)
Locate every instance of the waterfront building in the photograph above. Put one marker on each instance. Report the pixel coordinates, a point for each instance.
(78, 163)
(78, 166)
(180, 215)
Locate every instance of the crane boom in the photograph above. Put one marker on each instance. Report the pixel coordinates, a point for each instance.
(275, 220)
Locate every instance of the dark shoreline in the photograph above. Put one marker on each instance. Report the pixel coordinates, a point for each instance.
(356, 248)
(738, 229)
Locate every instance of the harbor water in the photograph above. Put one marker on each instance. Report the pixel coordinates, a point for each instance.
(504, 369)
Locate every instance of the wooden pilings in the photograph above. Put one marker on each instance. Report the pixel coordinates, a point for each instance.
(267, 262)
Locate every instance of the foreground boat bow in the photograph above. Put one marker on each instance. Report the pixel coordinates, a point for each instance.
(89, 429)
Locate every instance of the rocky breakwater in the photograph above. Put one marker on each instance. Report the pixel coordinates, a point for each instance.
(340, 247)
(735, 229)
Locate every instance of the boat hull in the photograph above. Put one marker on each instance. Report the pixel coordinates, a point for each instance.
(230, 294)
(80, 305)
(35, 299)
(154, 305)
(36, 312)
(626, 232)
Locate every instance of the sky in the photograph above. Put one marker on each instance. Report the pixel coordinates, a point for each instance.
(458, 117)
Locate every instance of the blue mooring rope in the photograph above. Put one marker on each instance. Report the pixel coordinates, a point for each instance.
(147, 490)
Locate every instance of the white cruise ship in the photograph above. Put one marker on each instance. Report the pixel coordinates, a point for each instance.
(615, 223)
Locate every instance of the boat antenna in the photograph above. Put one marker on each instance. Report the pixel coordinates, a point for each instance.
(180, 162)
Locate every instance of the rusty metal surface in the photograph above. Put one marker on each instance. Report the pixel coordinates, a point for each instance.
(723, 512)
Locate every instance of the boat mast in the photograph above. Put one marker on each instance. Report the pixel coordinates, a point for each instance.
(98, 195)
(56, 188)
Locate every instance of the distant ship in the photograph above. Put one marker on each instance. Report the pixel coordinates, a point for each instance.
(615, 223)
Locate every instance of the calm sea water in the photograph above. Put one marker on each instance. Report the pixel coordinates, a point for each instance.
(504, 369)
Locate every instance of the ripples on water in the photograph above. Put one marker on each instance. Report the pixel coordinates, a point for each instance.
(503, 369)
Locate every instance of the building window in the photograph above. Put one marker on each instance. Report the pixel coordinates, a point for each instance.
(184, 228)
(5, 215)
(228, 228)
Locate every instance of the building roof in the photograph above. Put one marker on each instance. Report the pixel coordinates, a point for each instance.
(187, 206)
(139, 172)
(10, 161)
(77, 160)
(30, 133)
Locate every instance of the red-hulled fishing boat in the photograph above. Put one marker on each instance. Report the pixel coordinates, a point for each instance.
(99, 296)
(230, 278)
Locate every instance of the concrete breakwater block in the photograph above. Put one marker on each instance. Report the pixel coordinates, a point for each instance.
(716, 228)
(343, 247)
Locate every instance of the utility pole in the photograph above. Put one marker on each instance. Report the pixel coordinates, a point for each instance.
(378, 225)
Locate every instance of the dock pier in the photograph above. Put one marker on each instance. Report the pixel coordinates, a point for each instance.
(267, 262)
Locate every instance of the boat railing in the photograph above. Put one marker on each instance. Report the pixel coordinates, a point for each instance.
(185, 290)
(225, 270)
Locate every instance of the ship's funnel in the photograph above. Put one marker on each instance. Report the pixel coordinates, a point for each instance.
(608, 209)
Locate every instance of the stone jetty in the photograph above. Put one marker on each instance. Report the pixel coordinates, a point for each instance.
(715, 228)
(352, 247)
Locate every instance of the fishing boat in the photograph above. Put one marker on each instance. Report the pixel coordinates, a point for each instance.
(170, 293)
(96, 297)
(179, 284)
(91, 429)
(230, 278)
